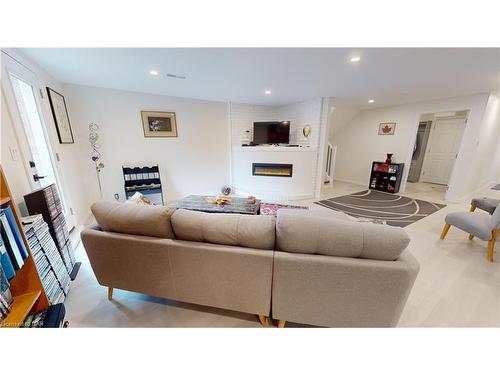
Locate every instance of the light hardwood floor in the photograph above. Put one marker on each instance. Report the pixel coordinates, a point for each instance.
(456, 286)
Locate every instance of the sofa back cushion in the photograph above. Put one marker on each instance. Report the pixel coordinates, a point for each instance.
(318, 234)
(153, 221)
(253, 231)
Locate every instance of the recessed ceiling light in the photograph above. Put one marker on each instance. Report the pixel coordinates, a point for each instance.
(371, 101)
(355, 59)
(268, 92)
(153, 72)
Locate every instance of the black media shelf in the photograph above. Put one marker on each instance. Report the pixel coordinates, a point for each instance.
(386, 176)
(145, 180)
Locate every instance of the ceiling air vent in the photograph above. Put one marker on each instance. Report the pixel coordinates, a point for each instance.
(175, 76)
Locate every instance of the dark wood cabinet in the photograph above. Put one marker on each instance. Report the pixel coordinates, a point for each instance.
(386, 177)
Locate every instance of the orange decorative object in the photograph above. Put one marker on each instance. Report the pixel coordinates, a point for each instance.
(218, 200)
(222, 201)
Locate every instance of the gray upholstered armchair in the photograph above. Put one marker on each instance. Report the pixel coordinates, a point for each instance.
(485, 204)
(479, 225)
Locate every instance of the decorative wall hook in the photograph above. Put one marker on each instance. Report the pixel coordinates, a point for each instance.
(306, 131)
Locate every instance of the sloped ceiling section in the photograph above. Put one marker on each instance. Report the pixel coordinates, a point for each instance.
(340, 115)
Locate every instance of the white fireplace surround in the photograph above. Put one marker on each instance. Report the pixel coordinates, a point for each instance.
(300, 186)
(307, 159)
(306, 178)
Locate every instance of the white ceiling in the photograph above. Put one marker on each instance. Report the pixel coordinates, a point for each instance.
(389, 75)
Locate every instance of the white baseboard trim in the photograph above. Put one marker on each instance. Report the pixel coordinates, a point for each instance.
(347, 182)
(273, 197)
(473, 193)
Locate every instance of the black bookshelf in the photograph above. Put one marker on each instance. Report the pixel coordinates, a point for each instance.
(386, 176)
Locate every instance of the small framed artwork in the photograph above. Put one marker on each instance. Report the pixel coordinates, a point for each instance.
(386, 128)
(159, 124)
(61, 118)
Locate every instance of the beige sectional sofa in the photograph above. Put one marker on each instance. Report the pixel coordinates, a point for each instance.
(309, 267)
(329, 271)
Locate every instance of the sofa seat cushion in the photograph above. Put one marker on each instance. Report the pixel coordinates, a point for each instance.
(153, 221)
(335, 236)
(254, 231)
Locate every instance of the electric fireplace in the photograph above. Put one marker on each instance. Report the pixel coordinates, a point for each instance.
(268, 169)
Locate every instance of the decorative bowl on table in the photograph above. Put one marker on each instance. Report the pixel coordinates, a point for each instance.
(226, 190)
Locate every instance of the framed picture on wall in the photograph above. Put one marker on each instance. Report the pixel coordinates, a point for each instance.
(61, 118)
(386, 128)
(159, 124)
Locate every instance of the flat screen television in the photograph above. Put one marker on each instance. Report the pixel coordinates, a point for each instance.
(271, 132)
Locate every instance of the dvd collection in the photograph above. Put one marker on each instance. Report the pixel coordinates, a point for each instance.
(54, 271)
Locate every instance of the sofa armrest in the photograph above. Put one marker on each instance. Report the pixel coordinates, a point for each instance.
(341, 292)
(131, 262)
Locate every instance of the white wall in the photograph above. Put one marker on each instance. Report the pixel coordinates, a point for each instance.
(299, 115)
(196, 162)
(242, 117)
(485, 168)
(341, 112)
(67, 166)
(359, 143)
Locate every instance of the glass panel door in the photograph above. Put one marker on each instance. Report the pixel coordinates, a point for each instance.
(20, 86)
(26, 103)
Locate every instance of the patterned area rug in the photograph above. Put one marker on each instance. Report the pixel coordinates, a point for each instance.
(395, 210)
(272, 208)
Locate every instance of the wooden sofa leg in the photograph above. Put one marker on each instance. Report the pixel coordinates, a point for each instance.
(491, 244)
(263, 320)
(471, 236)
(110, 293)
(281, 323)
(445, 231)
(472, 208)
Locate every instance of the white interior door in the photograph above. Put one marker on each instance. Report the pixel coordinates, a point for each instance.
(21, 89)
(442, 150)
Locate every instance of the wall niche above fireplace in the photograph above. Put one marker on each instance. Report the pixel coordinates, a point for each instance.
(271, 169)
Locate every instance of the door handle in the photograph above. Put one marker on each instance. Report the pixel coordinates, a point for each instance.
(36, 177)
